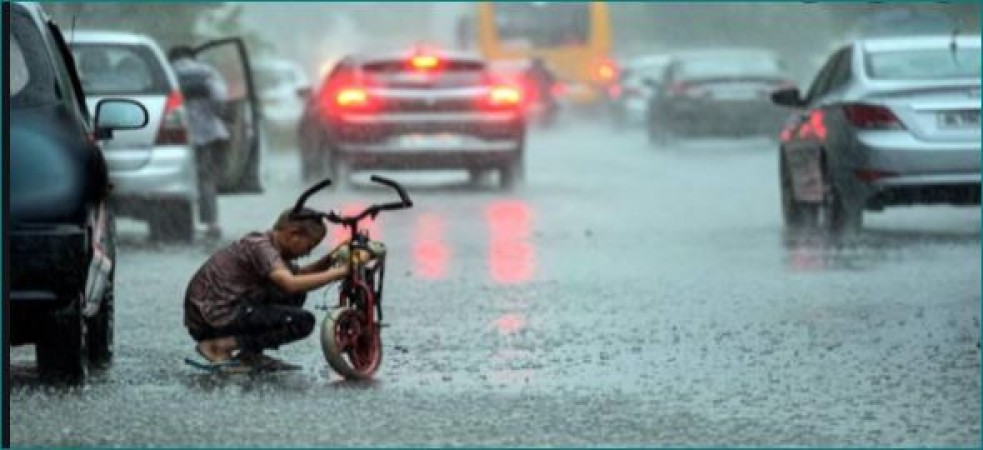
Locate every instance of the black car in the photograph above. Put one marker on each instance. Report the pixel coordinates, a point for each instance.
(61, 231)
(416, 110)
(717, 93)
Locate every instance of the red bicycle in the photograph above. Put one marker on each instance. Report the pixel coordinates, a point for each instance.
(350, 333)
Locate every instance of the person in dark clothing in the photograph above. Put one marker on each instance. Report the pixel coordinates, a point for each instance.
(542, 79)
(249, 296)
(204, 92)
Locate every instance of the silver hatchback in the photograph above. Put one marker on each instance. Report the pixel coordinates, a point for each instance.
(886, 122)
(152, 169)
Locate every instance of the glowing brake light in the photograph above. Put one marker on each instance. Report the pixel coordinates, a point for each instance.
(424, 62)
(605, 71)
(500, 96)
(352, 97)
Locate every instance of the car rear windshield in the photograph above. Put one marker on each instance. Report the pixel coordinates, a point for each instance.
(32, 81)
(924, 64)
(730, 66)
(116, 69)
(449, 74)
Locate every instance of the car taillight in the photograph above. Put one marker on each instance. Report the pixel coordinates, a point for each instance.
(352, 98)
(424, 62)
(503, 97)
(605, 71)
(871, 117)
(172, 128)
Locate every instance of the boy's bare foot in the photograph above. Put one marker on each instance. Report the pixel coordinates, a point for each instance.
(216, 350)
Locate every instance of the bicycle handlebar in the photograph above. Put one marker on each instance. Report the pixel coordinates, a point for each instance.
(373, 210)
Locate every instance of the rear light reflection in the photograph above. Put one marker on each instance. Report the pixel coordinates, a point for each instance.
(511, 257)
(430, 252)
(870, 175)
(352, 97)
(501, 96)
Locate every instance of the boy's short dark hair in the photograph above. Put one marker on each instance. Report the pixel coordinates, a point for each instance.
(309, 225)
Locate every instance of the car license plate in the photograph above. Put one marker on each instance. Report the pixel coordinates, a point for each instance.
(969, 118)
(430, 141)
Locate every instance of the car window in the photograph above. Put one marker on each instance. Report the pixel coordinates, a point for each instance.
(110, 69)
(824, 80)
(399, 74)
(30, 66)
(924, 64)
(729, 65)
(19, 75)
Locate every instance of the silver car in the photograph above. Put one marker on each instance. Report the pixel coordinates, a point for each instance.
(152, 169)
(886, 122)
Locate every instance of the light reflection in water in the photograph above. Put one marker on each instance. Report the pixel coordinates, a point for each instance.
(430, 252)
(511, 257)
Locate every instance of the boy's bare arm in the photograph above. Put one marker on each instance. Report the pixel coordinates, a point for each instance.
(304, 282)
(320, 265)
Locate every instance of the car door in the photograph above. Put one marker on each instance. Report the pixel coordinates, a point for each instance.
(240, 112)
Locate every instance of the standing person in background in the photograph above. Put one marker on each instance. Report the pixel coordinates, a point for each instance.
(204, 92)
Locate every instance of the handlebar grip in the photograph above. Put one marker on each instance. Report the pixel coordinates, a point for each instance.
(399, 189)
(309, 192)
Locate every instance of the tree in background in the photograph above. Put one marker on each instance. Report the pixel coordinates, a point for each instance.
(169, 24)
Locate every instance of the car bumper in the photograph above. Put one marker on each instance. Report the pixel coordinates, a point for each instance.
(387, 158)
(725, 117)
(169, 173)
(902, 170)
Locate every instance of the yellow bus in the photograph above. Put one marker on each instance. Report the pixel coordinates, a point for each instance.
(573, 38)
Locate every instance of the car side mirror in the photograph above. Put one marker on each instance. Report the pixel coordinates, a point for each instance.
(118, 114)
(304, 92)
(787, 97)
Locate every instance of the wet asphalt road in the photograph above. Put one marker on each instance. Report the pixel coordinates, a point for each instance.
(625, 296)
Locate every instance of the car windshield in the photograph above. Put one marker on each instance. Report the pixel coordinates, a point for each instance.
(32, 82)
(110, 69)
(542, 24)
(924, 64)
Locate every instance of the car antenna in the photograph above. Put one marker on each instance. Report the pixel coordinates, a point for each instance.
(71, 36)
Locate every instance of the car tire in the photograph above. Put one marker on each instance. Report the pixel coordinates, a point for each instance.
(796, 214)
(175, 222)
(512, 174)
(61, 348)
(834, 215)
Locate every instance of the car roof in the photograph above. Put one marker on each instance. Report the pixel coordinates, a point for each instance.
(705, 53)
(917, 42)
(110, 37)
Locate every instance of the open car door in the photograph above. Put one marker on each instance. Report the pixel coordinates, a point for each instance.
(240, 167)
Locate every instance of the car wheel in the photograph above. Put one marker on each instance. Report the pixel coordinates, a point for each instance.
(834, 215)
(511, 174)
(175, 222)
(61, 348)
(796, 214)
